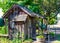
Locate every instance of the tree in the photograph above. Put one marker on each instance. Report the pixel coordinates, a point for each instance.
(42, 7)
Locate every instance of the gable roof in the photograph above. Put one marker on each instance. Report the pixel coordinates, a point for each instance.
(29, 12)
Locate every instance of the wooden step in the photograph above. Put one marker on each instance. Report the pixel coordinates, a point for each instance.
(3, 35)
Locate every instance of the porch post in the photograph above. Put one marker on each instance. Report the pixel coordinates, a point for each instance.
(25, 31)
(9, 30)
(5, 24)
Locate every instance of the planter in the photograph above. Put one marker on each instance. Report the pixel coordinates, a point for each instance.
(40, 39)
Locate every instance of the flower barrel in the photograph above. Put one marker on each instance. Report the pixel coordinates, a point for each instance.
(40, 39)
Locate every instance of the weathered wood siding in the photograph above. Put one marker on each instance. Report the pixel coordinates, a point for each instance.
(15, 14)
(33, 29)
(18, 27)
(26, 27)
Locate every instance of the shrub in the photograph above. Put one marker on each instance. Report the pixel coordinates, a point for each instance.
(52, 33)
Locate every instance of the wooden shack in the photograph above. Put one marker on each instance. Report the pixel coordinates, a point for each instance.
(21, 20)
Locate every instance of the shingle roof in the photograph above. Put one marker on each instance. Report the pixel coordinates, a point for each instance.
(32, 14)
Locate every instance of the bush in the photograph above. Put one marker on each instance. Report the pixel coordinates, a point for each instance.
(3, 30)
(52, 33)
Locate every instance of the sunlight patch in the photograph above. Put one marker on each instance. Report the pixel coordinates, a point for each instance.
(1, 13)
(56, 41)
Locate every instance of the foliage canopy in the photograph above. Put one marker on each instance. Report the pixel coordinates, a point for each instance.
(43, 7)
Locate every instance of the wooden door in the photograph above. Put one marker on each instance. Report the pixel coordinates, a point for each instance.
(20, 29)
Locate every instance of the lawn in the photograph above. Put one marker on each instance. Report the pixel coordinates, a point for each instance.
(5, 40)
(3, 30)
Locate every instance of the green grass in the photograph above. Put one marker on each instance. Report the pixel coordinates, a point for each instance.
(3, 30)
(5, 40)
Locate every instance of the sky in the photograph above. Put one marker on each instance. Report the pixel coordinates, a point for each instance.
(1, 13)
(58, 15)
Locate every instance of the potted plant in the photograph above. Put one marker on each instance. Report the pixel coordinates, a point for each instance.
(27, 41)
(40, 38)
